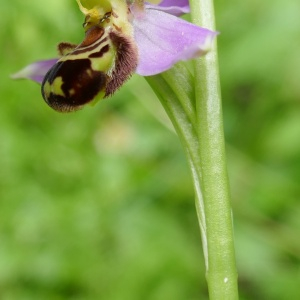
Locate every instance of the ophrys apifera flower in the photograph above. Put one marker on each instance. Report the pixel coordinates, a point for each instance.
(121, 37)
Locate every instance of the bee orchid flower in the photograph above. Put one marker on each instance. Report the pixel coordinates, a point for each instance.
(121, 37)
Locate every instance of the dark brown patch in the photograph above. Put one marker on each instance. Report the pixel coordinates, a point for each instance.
(100, 53)
(126, 61)
(77, 75)
(65, 48)
(91, 36)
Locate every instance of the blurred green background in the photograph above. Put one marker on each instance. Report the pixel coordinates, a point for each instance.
(99, 204)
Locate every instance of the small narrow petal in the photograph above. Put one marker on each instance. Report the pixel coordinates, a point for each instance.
(163, 40)
(173, 7)
(35, 71)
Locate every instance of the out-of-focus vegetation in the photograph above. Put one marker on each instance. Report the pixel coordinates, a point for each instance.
(98, 204)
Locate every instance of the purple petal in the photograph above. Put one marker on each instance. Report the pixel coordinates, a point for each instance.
(163, 40)
(35, 71)
(180, 3)
(173, 7)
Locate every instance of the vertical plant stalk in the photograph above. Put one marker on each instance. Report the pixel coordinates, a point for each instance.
(221, 267)
(193, 104)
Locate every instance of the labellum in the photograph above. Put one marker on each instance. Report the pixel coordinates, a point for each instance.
(97, 67)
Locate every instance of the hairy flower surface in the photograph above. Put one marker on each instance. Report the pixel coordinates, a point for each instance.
(120, 38)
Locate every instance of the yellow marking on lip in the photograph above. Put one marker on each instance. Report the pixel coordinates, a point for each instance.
(85, 54)
(89, 72)
(56, 86)
(47, 89)
(72, 92)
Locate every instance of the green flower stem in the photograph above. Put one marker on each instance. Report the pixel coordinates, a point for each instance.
(193, 104)
(221, 269)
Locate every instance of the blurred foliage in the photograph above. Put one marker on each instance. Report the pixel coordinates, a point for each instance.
(99, 204)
